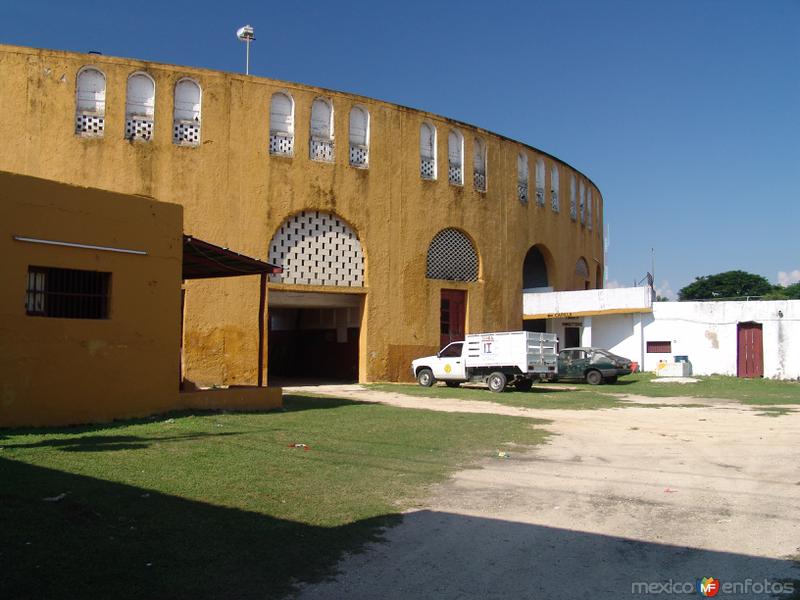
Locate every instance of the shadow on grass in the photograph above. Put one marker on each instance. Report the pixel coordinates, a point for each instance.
(297, 402)
(103, 443)
(109, 540)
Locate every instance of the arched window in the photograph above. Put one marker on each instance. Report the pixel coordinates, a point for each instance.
(90, 102)
(317, 248)
(539, 182)
(573, 203)
(427, 151)
(140, 107)
(554, 200)
(582, 273)
(455, 157)
(582, 199)
(589, 209)
(534, 270)
(522, 177)
(281, 124)
(452, 256)
(321, 130)
(479, 165)
(186, 113)
(359, 137)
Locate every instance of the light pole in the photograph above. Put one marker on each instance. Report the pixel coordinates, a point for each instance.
(246, 34)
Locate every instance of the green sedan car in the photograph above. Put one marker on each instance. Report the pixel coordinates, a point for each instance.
(592, 365)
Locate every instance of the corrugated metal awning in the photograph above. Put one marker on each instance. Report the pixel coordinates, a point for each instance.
(203, 260)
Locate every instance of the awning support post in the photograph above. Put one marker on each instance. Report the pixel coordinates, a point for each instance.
(261, 305)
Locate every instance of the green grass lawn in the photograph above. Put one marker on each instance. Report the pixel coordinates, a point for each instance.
(569, 395)
(747, 391)
(214, 505)
(572, 397)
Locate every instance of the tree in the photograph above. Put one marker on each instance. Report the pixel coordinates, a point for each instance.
(790, 292)
(730, 284)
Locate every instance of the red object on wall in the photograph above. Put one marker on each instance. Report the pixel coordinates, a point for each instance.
(453, 316)
(750, 359)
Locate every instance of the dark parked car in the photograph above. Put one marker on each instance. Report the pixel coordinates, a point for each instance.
(592, 365)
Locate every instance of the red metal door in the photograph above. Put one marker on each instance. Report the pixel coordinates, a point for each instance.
(750, 360)
(453, 316)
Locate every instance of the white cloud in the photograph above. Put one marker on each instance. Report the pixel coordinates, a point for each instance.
(664, 290)
(612, 284)
(785, 278)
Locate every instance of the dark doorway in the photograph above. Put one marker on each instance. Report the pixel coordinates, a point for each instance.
(452, 316)
(534, 270)
(572, 337)
(536, 325)
(750, 356)
(313, 337)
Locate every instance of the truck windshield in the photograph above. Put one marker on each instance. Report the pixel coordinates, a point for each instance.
(451, 351)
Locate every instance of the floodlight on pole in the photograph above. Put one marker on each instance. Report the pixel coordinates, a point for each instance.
(246, 34)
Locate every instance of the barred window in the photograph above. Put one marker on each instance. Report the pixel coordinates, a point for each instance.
(452, 256)
(140, 107)
(554, 198)
(359, 137)
(573, 201)
(539, 182)
(186, 113)
(67, 293)
(321, 143)
(455, 157)
(90, 103)
(522, 177)
(281, 124)
(659, 347)
(427, 151)
(479, 165)
(589, 214)
(582, 196)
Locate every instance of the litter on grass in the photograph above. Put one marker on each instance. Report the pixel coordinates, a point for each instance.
(58, 498)
(303, 446)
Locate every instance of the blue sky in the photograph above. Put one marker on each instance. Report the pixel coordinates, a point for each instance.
(686, 113)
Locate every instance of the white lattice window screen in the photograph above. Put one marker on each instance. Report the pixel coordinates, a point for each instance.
(455, 158)
(317, 248)
(540, 182)
(90, 103)
(582, 269)
(452, 256)
(427, 151)
(281, 124)
(479, 165)
(554, 199)
(573, 204)
(321, 146)
(186, 113)
(359, 137)
(589, 216)
(582, 199)
(522, 177)
(140, 107)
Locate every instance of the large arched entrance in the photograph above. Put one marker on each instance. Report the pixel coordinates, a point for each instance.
(535, 277)
(315, 333)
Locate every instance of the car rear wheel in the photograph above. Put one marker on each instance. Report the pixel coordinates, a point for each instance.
(425, 378)
(594, 377)
(497, 382)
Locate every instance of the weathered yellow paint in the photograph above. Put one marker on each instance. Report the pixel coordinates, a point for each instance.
(60, 371)
(236, 195)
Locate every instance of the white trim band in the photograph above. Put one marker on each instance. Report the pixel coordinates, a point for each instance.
(20, 238)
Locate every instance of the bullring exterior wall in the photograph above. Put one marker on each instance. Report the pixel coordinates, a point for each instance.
(235, 194)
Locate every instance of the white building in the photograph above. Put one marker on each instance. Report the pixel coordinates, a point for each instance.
(745, 339)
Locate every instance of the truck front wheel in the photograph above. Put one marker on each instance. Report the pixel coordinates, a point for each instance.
(425, 378)
(497, 382)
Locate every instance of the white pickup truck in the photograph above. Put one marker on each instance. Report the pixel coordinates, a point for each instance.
(496, 359)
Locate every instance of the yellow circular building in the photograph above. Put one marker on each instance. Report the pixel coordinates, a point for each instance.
(396, 229)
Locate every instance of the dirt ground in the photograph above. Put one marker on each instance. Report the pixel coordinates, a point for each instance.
(620, 502)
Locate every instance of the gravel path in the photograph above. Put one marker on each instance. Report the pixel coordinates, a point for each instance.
(619, 499)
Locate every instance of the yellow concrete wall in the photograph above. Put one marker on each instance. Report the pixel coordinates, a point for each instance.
(236, 195)
(61, 371)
